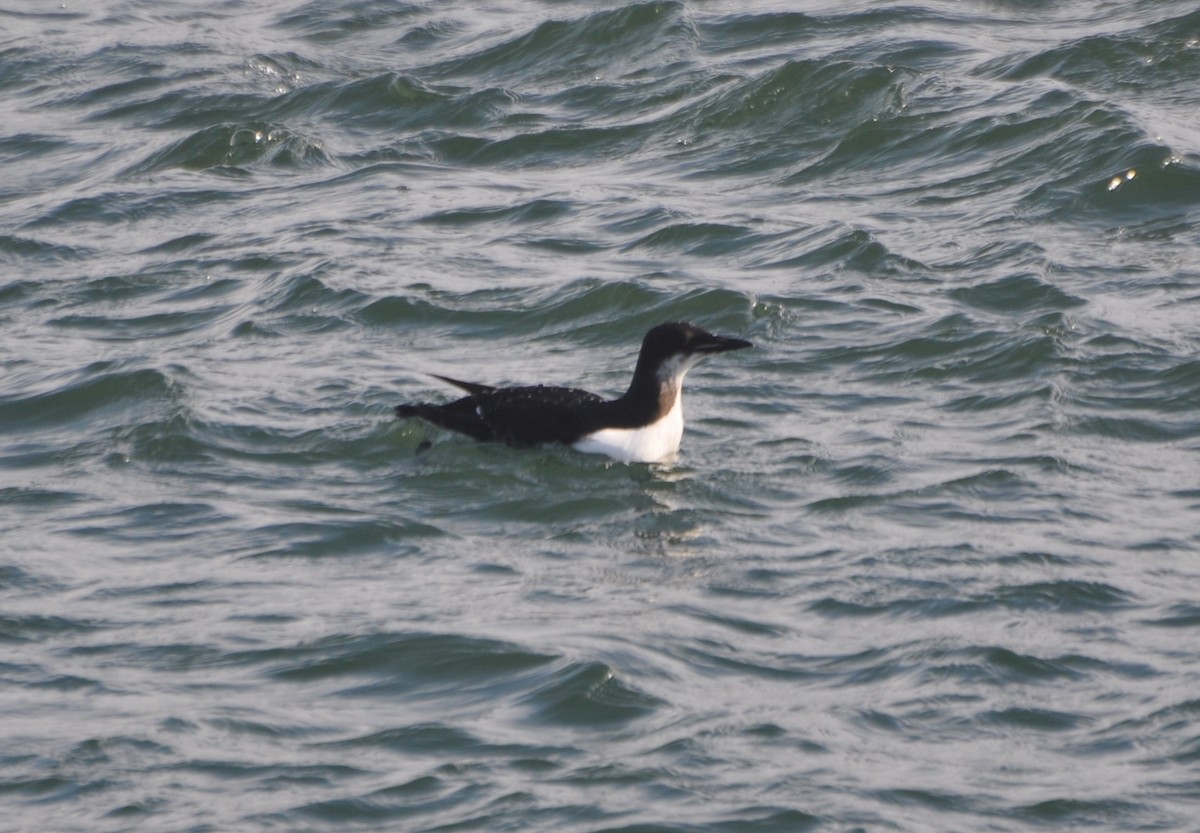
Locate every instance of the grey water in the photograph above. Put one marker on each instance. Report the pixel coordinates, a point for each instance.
(928, 559)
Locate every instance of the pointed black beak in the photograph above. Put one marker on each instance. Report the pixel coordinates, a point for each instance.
(709, 343)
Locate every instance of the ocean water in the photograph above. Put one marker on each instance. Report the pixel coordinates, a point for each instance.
(929, 558)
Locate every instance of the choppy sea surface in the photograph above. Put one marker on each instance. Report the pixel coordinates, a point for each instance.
(929, 558)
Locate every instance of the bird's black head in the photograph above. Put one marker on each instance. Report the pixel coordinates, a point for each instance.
(670, 350)
(684, 339)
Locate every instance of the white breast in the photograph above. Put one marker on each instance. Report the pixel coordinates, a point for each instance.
(650, 444)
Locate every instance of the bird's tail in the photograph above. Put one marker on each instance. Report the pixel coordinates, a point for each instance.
(459, 416)
(473, 388)
(422, 409)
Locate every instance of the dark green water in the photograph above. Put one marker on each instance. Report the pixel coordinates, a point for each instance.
(929, 559)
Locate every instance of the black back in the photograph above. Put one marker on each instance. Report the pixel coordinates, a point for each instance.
(521, 416)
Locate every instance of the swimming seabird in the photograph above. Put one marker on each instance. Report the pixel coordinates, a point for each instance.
(644, 425)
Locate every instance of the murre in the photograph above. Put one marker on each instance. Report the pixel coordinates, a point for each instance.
(645, 425)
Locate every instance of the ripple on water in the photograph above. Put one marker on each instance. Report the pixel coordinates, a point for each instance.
(588, 694)
(595, 45)
(234, 149)
(101, 391)
(20, 248)
(402, 661)
(924, 563)
(329, 538)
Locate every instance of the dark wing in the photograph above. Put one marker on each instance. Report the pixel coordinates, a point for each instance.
(517, 416)
(538, 414)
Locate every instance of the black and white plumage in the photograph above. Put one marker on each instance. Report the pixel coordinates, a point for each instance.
(644, 425)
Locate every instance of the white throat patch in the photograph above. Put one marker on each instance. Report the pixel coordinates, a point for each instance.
(672, 371)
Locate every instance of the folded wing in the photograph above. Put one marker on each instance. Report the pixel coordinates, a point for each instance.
(521, 416)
